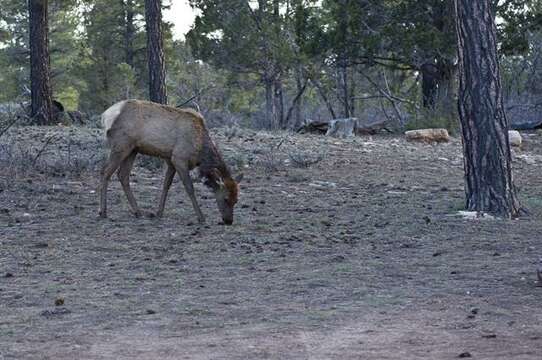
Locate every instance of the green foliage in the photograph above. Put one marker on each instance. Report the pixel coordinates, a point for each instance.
(69, 97)
(238, 49)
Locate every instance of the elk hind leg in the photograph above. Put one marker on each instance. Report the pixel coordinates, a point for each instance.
(112, 164)
(124, 178)
(170, 174)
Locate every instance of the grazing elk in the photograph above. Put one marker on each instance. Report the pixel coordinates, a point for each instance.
(180, 137)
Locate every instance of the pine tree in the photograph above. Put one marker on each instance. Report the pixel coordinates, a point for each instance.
(487, 158)
(40, 84)
(155, 51)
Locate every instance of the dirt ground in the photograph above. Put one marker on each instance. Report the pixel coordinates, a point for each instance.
(359, 256)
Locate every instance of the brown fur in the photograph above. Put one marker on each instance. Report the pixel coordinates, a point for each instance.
(180, 137)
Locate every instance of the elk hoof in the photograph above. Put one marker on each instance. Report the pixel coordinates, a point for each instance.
(102, 215)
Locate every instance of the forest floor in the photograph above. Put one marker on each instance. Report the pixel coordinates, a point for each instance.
(359, 256)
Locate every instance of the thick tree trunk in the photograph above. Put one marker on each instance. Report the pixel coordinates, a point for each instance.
(155, 51)
(40, 83)
(487, 160)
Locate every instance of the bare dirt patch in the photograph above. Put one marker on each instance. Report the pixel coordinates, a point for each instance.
(358, 256)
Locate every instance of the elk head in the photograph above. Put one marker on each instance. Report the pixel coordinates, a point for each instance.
(226, 190)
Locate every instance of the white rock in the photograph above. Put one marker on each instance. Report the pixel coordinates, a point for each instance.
(474, 215)
(428, 135)
(514, 137)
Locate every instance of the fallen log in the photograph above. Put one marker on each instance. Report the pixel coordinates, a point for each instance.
(344, 127)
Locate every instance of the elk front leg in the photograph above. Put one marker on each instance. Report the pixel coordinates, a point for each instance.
(184, 173)
(170, 174)
(124, 178)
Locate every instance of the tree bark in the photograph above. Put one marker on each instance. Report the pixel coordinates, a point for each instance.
(487, 159)
(40, 82)
(155, 51)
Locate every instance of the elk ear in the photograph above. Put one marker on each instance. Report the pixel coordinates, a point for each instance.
(239, 178)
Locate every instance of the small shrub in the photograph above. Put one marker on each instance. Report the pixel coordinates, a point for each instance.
(270, 162)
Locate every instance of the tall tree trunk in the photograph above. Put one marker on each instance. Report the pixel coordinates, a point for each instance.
(295, 107)
(129, 31)
(298, 105)
(437, 84)
(269, 104)
(352, 94)
(279, 103)
(40, 83)
(342, 62)
(155, 51)
(343, 89)
(487, 160)
(430, 75)
(446, 92)
(325, 98)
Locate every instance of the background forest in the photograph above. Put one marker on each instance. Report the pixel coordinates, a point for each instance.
(276, 63)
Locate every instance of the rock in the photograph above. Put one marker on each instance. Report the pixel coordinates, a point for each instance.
(514, 137)
(428, 135)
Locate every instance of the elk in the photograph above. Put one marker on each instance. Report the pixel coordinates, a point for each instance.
(180, 137)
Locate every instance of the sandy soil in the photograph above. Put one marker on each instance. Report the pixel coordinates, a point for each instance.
(360, 256)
